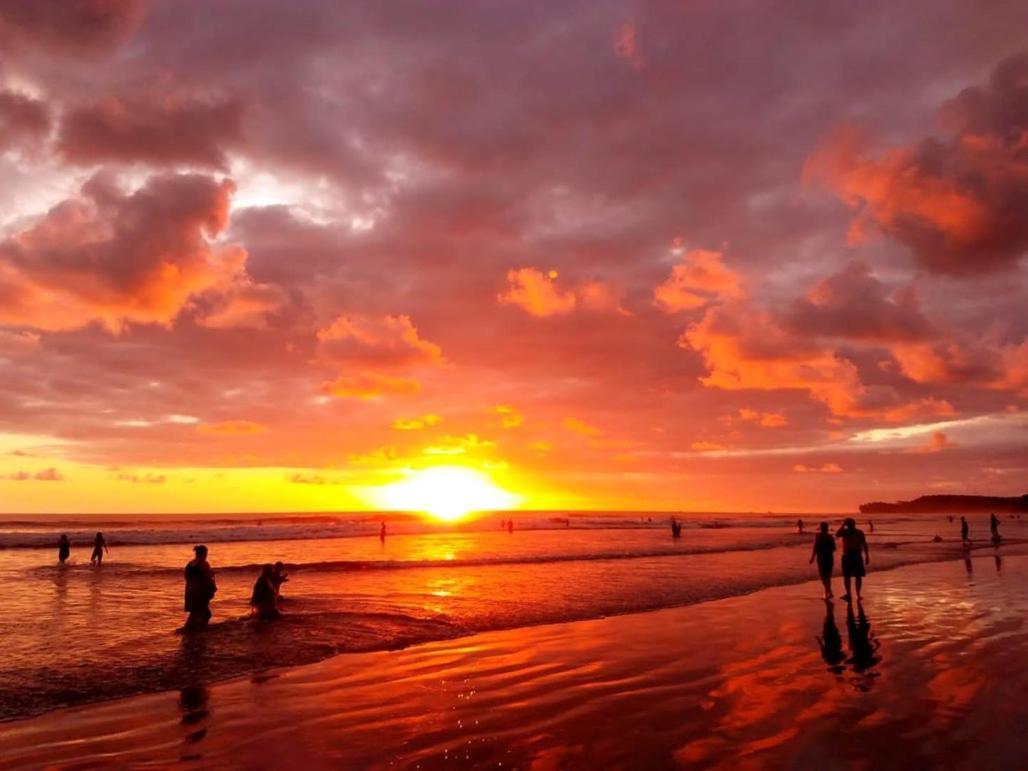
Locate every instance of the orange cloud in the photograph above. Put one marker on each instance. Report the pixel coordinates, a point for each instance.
(937, 443)
(369, 385)
(231, 428)
(626, 45)
(458, 445)
(700, 278)
(766, 419)
(46, 475)
(115, 258)
(378, 342)
(509, 417)
(826, 468)
(416, 424)
(537, 293)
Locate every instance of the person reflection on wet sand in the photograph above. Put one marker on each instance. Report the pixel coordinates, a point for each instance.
(830, 641)
(969, 566)
(863, 646)
(192, 702)
(999, 563)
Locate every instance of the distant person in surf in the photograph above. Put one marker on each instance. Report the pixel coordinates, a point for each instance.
(994, 528)
(871, 525)
(799, 526)
(824, 553)
(510, 525)
(200, 589)
(63, 549)
(382, 532)
(278, 577)
(99, 548)
(965, 532)
(676, 528)
(855, 555)
(262, 599)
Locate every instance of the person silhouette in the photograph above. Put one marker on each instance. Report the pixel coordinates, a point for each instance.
(676, 528)
(994, 528)
(99, 547)
(262, 599)
(382, 532)
(824, 553)
(863, 646)
(965, 532)
(63, 549)
(799, 526)
(855, 555)
(830, 641)
(200, 589)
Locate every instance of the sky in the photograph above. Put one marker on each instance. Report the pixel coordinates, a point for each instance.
(689, 255)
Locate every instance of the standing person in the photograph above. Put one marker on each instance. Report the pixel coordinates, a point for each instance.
(799, 526)
(855, 555)
(63, 549)
(964, 531)
(994, 527)
(676, 528)
(99, 547)
(382, 532)
(510, 525)
(200, 589)
(871, 525)
(824, 553)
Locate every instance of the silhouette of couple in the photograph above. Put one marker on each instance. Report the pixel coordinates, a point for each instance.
(855, 556)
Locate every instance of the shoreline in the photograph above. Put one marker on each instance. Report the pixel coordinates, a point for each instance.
(688, 664)
(179, 671)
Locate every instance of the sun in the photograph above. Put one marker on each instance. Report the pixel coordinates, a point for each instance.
(445, 492)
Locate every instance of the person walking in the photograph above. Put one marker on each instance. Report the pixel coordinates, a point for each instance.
(200, 589)
(99, 549)
(824, 553)
(63, 549)
(855, 555)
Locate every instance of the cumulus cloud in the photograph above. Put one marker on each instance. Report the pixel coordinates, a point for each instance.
(957, 202)
(168, 132)
(417, 424)
(698, 279)
(116, 257)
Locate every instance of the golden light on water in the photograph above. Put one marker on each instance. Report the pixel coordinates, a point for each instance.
(445, 492)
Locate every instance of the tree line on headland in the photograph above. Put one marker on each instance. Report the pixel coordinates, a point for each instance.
(928, 504)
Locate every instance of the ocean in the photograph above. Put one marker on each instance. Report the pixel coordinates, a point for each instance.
(80, 633)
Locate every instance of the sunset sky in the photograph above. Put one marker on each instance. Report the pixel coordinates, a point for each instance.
(261, 255)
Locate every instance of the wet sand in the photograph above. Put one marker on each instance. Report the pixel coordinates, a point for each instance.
(931, 675)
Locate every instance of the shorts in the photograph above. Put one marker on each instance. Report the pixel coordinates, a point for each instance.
(824, 567)
(853, 566)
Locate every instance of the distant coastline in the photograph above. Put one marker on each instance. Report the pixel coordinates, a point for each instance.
(948, 503)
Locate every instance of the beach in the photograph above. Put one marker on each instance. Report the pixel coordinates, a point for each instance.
(929, 674)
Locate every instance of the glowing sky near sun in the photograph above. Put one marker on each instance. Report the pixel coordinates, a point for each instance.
(258, 255)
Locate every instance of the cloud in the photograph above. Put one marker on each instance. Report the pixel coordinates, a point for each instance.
(766, 419)
(23, 120)
(458, 445)
(231, 428)
(116, 257)
(825, 468)
(536, 293)
(167, 132)
(853, 304)
(148, 478)
(509, 416)
(304, 478)
(243, 304)
(70, 26)
(626, 45)
(937, 442)
(417, 424)
(378, 342)
(958, 202)
(369, 385)
(700, 278)
(46, 475)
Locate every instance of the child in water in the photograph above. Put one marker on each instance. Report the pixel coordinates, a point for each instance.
(63, 549)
